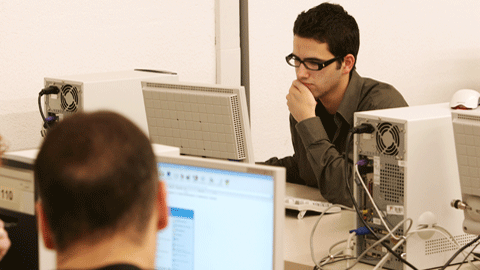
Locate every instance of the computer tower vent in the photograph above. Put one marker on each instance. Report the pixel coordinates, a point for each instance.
(69, 98)
(400, 250)
(388, 139)
(443, 245)
(392, 183)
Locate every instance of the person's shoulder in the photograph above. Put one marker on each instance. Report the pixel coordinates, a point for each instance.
(380, 95)
(369, 84)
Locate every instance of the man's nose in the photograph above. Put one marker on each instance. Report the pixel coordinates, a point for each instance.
(302, 71)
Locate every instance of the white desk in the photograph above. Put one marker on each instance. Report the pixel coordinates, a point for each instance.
(331, 229)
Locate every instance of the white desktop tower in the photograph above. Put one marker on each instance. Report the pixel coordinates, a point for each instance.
(119, 91)
(411, 169)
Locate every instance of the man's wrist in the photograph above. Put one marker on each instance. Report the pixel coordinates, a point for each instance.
(306, 117)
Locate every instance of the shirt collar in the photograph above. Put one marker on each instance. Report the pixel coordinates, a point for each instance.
(350, 100)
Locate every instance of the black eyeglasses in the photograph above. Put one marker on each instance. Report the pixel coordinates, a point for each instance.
(295, 61)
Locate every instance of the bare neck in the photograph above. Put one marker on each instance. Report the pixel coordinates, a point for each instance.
(114, 250)
(332, 100)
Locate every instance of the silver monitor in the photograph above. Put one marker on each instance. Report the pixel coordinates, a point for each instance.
(223, 215)
(201, 119)
(466, 127)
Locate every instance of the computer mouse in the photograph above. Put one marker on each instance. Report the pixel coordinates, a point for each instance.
(465, 99)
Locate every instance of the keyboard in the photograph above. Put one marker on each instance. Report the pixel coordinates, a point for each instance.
(303, 198)
(304, 205)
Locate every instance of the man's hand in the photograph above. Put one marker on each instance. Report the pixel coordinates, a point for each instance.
(300, 101)
(4, 241)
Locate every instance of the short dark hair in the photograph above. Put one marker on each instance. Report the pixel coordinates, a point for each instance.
(331, 24)
(95, 174)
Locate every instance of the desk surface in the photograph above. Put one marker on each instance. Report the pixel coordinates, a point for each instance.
(331, 229)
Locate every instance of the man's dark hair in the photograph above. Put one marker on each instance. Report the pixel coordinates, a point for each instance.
(96, 174)
(331, 24)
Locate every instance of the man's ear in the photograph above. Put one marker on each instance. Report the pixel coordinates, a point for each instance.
(349, 62)
(43, 226)
(162, 207)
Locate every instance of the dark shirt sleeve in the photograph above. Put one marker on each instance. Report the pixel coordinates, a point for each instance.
(326, 161)
(290, 165)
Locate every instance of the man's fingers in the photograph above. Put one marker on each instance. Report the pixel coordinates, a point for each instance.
(3, 233)
(299, 86)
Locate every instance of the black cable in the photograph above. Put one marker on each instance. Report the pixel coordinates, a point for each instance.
(52, 89)
(364, 128)
(459, 251)
(40, 108)
(471, 251)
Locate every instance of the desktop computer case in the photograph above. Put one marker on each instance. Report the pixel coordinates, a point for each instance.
(119, 91)
(412, 169)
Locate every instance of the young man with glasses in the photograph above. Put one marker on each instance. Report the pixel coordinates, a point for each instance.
(323, 99)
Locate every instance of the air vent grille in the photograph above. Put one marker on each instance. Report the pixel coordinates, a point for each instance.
(69, 98)
(190, 88)
(469, 117)
(442, 245)
(388, 139)
(237, 125)
(392, 183)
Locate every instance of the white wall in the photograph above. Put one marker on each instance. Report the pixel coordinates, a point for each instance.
(426, 49)
(53, 38)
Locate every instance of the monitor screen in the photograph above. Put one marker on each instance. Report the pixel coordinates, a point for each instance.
(206, 120)
(223, 215)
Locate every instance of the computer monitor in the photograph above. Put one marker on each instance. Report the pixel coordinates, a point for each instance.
(223, 215)
(205, 120)
(466, 126)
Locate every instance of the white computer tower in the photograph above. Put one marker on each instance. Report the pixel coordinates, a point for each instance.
(411, 169)
(119, 91)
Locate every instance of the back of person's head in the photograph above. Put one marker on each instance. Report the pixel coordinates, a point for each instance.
(96, 175)
(331, 24)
